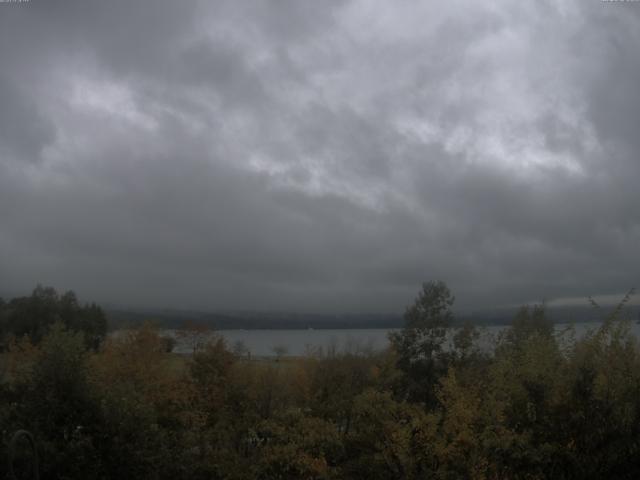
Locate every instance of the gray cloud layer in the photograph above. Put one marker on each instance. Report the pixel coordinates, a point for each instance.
(319, 156)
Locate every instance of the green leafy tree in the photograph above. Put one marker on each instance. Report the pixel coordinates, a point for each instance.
(34, 315)
(528, 322)
(57, 405)
(419, 345)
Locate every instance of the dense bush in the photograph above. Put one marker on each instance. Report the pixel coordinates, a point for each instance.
(541, 405)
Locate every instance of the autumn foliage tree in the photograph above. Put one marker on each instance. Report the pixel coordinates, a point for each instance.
(541, 403)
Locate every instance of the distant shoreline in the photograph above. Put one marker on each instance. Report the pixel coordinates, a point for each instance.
(176, 319)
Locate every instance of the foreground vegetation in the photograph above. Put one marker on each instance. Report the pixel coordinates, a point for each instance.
(542, 405)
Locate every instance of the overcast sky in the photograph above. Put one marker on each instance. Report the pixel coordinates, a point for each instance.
(319, 156)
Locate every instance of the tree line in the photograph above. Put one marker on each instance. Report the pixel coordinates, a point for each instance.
(541, 404)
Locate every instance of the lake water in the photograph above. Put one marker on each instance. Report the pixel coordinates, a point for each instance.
(263, 343)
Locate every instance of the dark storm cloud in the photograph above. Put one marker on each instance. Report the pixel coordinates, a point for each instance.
(319, 155)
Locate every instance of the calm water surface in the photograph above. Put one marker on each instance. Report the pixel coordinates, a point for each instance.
(302, 342)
